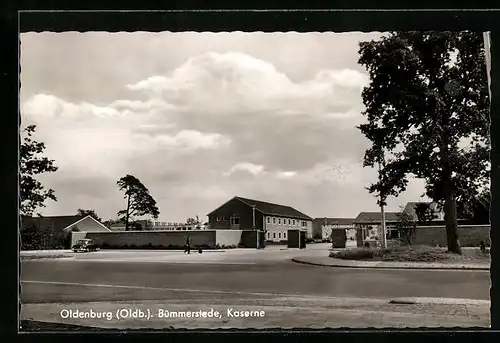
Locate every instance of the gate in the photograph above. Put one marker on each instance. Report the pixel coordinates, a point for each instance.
(296, 239)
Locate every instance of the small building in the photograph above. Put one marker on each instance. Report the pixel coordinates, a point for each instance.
(368, 226)
(247, 214)
(59, 231)
(411, 209)
(64, 223)
(324, 227)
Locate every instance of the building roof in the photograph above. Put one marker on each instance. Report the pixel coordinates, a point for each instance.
(56, 223)
(272, 209)
(334, 221)
(376, 217)
(51, 222)
(411, 207)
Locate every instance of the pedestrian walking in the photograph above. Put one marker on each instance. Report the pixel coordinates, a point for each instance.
(188, 245)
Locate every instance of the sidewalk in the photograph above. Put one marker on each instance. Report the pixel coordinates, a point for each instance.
(276, 312)
(334, 262)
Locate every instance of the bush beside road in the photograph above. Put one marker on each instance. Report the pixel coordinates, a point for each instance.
(419, 254)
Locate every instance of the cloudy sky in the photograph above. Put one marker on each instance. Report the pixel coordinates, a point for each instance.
(200, 118)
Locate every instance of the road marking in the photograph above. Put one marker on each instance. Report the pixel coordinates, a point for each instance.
(143, 260)
(419, 300)
(378, 300)
(164, 261)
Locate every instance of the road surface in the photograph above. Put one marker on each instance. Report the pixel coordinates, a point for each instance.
(238, 278)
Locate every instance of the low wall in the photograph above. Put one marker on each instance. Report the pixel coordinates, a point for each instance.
(228, 237)
(159, 239)
(468, 235)
(207, 239)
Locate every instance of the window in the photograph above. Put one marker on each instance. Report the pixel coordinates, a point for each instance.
(274, 234)
(289, 221)
(392, 234)
(218, 219)
(274, 220)
(284, 234)
(294, 222)
(304, 223)
(279, 235)
(279, 220)
(269, 220)
(235, 220)
(268, 235)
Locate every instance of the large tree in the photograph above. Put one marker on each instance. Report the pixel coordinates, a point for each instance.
(32, 163)
(84, 213)
(477, 211)
(139, 201)
(427, 112)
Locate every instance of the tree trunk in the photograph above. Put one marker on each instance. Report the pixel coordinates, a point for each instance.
(450, 218)
(128, 211)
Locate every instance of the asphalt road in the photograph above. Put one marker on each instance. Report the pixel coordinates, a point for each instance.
(112, 276)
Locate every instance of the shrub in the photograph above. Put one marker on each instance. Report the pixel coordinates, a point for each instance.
(395, 254)
(355, 254)
(35, 238)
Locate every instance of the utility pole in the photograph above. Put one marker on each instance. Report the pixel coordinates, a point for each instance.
(254, 228)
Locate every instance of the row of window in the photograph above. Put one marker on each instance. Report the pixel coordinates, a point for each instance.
(273, 234)
(233, 220)
(285, 221)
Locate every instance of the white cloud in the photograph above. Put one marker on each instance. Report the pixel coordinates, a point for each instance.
(49, 106)
(234, 82)
(201, 123)
(190, 139)
(286, 174)
(245, 167)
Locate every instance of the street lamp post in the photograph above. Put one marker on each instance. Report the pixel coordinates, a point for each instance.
(382, 212)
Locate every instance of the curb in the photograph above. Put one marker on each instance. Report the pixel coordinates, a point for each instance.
(41, 257)
(296, 260)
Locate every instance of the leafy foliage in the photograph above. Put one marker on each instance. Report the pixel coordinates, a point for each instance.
(139, 201)
(406, 226)
(191, 221)
(424, 212)
(477, 210)
(35, 238)
(32, 192)
(84, 213)
(427, 108)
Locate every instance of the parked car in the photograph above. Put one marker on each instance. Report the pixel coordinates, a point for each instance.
(85, 245)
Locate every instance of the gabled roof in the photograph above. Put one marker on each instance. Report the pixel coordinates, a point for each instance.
(92, 218)
(376, 217)
(51, 222)
(411, 207)
(334, 221)
(270, 208)
(57, 223)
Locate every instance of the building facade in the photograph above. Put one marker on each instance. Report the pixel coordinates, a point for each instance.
(248, 214)
(325, 227)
